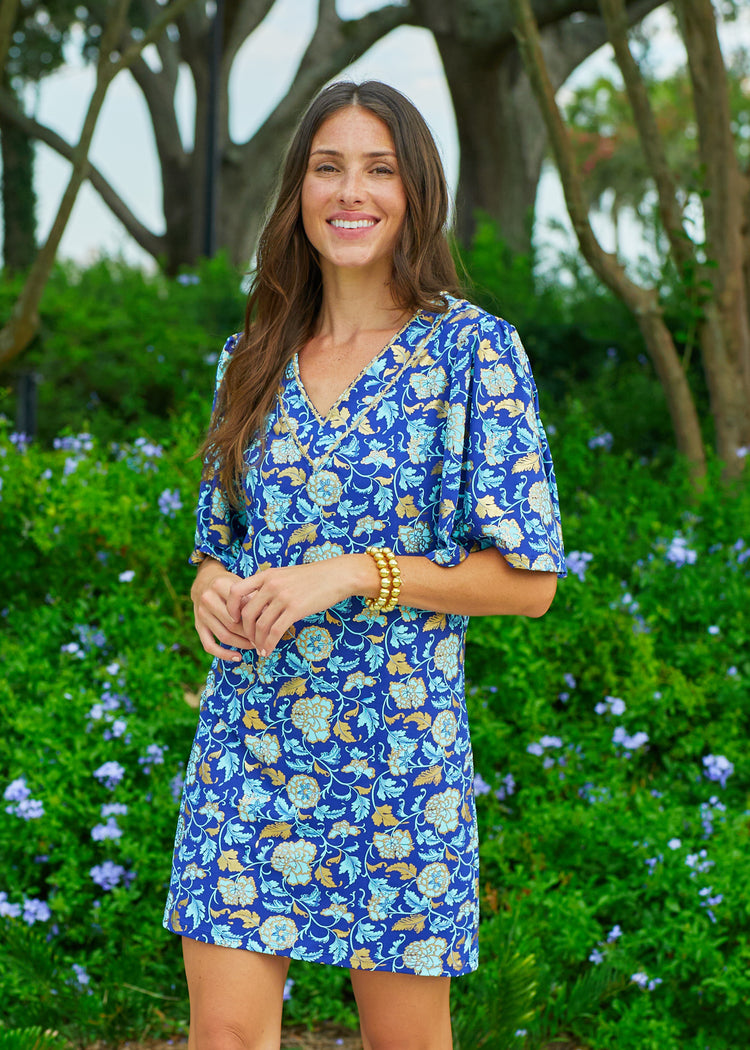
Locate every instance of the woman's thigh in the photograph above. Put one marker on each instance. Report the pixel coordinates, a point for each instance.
(236, 997)
(400, 1011)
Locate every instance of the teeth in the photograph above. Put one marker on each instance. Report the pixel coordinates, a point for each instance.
(352, 224)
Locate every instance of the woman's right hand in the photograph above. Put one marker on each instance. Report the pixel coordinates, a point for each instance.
(215, 626)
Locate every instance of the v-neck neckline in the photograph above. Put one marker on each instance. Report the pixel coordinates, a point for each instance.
(344, 395)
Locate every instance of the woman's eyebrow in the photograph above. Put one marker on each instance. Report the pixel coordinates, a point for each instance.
(338, 153)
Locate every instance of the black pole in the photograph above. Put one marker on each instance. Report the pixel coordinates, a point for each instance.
(210, 201)
(26, 404)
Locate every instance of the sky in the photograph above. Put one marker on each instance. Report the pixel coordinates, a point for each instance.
(123, 143)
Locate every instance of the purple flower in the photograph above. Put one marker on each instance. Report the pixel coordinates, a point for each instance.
(127, 576)
(551, 741)
(8, 910)
(674, 843)
(596, 957)
(107, 875)
(631, 743)
(612, 704)
(35, 911)
(30, 809)
(604, 441)
(714, 629)
(569, 680)
(20, 440)
(110, 830)
(170, 502)
(16, 791)
(507, 787)
(678, 552)
(81, 976)
(613, 934)
(110, 774)
(154, 756)
(718, 767)
(481, 787)
(288, 985)
(114, 809)
(577, 561)
(186, 279)
(535, 749)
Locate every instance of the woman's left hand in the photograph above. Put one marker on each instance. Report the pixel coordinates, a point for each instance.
(270, 601)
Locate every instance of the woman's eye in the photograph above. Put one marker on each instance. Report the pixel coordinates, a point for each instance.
(383, 169)
(325, 168)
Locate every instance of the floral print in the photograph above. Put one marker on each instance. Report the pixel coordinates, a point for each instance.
(328, 810)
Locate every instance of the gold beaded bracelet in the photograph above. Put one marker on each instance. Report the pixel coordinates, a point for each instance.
(390, 579)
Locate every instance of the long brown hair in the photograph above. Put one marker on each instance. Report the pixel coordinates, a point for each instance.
(286, 290)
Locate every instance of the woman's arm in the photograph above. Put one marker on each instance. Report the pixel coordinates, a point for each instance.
(266, 604)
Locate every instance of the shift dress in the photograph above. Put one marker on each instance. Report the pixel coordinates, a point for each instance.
(328, 809)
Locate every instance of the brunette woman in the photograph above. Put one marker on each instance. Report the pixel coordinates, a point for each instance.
(376, 473)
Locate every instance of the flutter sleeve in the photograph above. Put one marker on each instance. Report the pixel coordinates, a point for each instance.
(498, 483)
(220, 527)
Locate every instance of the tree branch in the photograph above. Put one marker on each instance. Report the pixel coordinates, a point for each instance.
(8, 11)
(615, 18)
(18, 332)
(150, 242)
(241, 23)
(335, 44)
(643, 302)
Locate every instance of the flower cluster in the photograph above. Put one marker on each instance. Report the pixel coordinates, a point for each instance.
(170, 502)
(577, 562)
(21, 803)
(611, 705)
(678, 552)
(110, 774)
(630, 743)
(718, 767)
(31, 910)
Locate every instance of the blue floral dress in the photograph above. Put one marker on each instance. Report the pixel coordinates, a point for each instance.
(328, 810)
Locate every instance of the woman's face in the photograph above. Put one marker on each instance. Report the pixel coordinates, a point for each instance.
(353, 201)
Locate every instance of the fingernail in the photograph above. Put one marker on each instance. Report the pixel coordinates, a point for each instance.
(262, 652)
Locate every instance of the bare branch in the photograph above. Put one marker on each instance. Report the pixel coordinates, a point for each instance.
(240, 23)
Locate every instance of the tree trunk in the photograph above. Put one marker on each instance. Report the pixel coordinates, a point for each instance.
(642, 302)
(18, 197)
(725, 329)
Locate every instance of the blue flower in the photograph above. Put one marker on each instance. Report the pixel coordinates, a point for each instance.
(17, 790)
(110, 774)
(481, 787)
(114, 809)
(614, 933)
(29, 809)
(718, 767)
(8, 910)
(674, 843)
(81, 976)
(127, 576)
(604, 441)
(678, 552)
(154, 757)
(596, 957)
(577, 562)
(170, 502)
(288, 985)
(110, 830)
(35, 910)
(612, 704)
(107, 875)
(631, 743)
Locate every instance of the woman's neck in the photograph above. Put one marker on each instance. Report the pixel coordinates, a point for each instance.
(353, 302)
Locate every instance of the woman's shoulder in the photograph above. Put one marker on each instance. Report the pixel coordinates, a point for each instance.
(466, 324)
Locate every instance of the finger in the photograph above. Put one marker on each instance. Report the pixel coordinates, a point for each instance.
(226, 634)
(214, 649)
(239, 593)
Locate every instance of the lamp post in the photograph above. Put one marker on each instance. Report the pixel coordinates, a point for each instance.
(213, 157)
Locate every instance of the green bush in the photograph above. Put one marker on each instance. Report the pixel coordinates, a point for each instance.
(99, 664)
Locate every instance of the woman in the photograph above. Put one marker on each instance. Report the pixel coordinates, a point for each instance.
(377, 473)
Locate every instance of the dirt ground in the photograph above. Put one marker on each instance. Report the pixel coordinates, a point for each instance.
(328, 1037)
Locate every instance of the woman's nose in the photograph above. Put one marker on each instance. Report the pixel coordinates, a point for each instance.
(351, 190)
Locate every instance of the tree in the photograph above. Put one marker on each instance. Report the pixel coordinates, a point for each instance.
(34, 49)
(712, 271)
(502, 141)
(19, 330)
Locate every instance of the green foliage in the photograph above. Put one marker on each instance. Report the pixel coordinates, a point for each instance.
(120, 349)
(594, 848)
(30, 1039)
